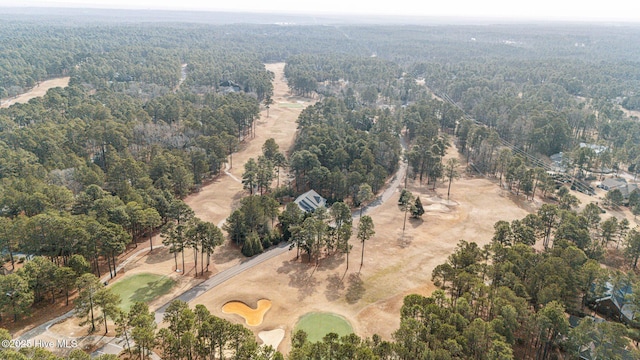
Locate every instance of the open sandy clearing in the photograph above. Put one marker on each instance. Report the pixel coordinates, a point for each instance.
(35, 92)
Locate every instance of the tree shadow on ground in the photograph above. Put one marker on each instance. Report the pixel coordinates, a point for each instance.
(223, 254)
(415, 222)
(405, 240)
(356, 289)
(335, 285)
(158, 255)
(301, 277)
(331, 262)
(238, 196)
(152, 290)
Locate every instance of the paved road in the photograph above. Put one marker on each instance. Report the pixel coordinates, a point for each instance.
(41, 329)
(114, 345)
(223, 276)
(396, 181)
(229, 273)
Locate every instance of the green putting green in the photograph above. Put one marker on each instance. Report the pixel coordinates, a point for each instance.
(141, 287)
(319, 324)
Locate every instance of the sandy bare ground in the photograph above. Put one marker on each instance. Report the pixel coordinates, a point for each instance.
(35, 92)
(630, 113)
(394, 265)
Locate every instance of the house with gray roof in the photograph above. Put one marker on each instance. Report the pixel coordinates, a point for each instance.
(559, 162)
(613, 183)
(619, 183)
(310, 201)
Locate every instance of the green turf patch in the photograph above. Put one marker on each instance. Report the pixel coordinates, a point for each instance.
(319, 324)
(143, 287)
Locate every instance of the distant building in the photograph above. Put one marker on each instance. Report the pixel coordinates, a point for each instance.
(620, 184)
(615, 303)
(310, 201)
(229, 86)
(574, 321)
(558, 162)
(613, 183)
(596, 148)
(588, 351)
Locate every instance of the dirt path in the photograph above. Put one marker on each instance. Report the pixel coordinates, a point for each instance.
(183, 76)
(35, 92)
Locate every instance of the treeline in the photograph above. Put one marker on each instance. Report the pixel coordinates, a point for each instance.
(39, 281)
(137, 59)
(525, 84)
(309, 72)
(338, 149)
(489, 153)
(541, 112)
(189, 334)
(127, 54)
(86, 174)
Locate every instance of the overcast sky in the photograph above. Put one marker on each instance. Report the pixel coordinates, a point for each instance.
(623, 10)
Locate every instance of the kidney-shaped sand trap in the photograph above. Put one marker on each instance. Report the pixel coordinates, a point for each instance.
(253, 317)
(272, 337)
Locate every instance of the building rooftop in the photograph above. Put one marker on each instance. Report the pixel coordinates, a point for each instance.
(310, 201)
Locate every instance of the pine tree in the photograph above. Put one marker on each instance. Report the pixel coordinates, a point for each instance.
(418, 210)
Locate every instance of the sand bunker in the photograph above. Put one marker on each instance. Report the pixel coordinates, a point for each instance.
(272, 337)
(253, 317)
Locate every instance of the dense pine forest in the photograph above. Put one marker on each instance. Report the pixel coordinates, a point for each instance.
(155, 110)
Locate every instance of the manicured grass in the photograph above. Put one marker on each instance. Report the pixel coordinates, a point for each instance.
(319, 324)
(141, 287)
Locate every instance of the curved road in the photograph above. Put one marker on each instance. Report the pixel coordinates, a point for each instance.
(113, 347)
(231, 272)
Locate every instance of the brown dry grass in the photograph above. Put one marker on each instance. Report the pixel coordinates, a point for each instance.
(36, 91)
(394, 265)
